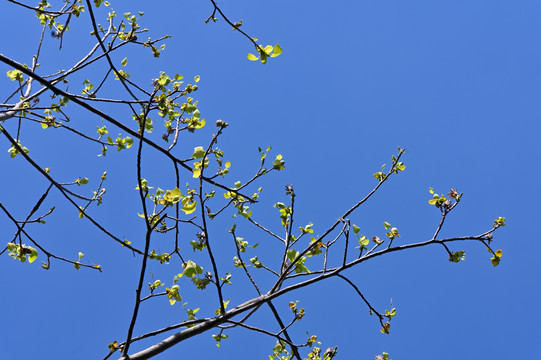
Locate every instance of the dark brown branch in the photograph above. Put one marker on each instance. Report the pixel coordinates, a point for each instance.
(216, 8)
(142, 195)
(63, 191)
(205, 228)
(34, 209)
(329, 230)
(108, 118)
(362, 297)
(47, 253)
(283, 329)
(123, 80)
(243, 264)
(256, 302)
(253, 328)
(57, 13)
(265, 229)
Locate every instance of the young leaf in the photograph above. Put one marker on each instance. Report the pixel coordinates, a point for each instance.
(277, 51)
(198, 152)
(189, 208)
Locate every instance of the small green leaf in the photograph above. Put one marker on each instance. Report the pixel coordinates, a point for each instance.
(252, 57)
(277, 51)
(171, 196)
(268, 49)
(356, 229)
(263, 57)
(189, 208)
(291, 254)
(364, 241)
(278, 163)
(124, 62)
(500, 221)
(191, 269)
(33, 254)
(15, 75)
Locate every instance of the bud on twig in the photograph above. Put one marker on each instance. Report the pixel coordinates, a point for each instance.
(221, 124)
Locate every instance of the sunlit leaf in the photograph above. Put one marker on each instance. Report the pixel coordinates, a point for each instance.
(277, 51)
(189, 208)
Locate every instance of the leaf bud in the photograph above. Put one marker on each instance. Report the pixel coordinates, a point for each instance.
(376, 239)
(201, 236)
(447, 204)
(289, 190)
(221, 124)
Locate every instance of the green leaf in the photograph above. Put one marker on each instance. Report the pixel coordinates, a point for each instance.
(500, 221)
(364, 241)
(171, 196)
(189, 208)
(268, 49)
(124, 62)
(278, 163)
(379, 175)
(356, 229)
(387, 225)
(15, 75)
(191, 269)
(307, 229)
(291, 254)
(458, 256)
(277, 51)
(33, 254)
(173, 295)
(301, 268)
(252, 57)
(198, 152)
(263, 57)
(189, 108)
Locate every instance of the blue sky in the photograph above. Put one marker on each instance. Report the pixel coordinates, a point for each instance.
(457, 85)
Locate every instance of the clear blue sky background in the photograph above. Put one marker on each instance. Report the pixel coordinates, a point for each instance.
(456, 84)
